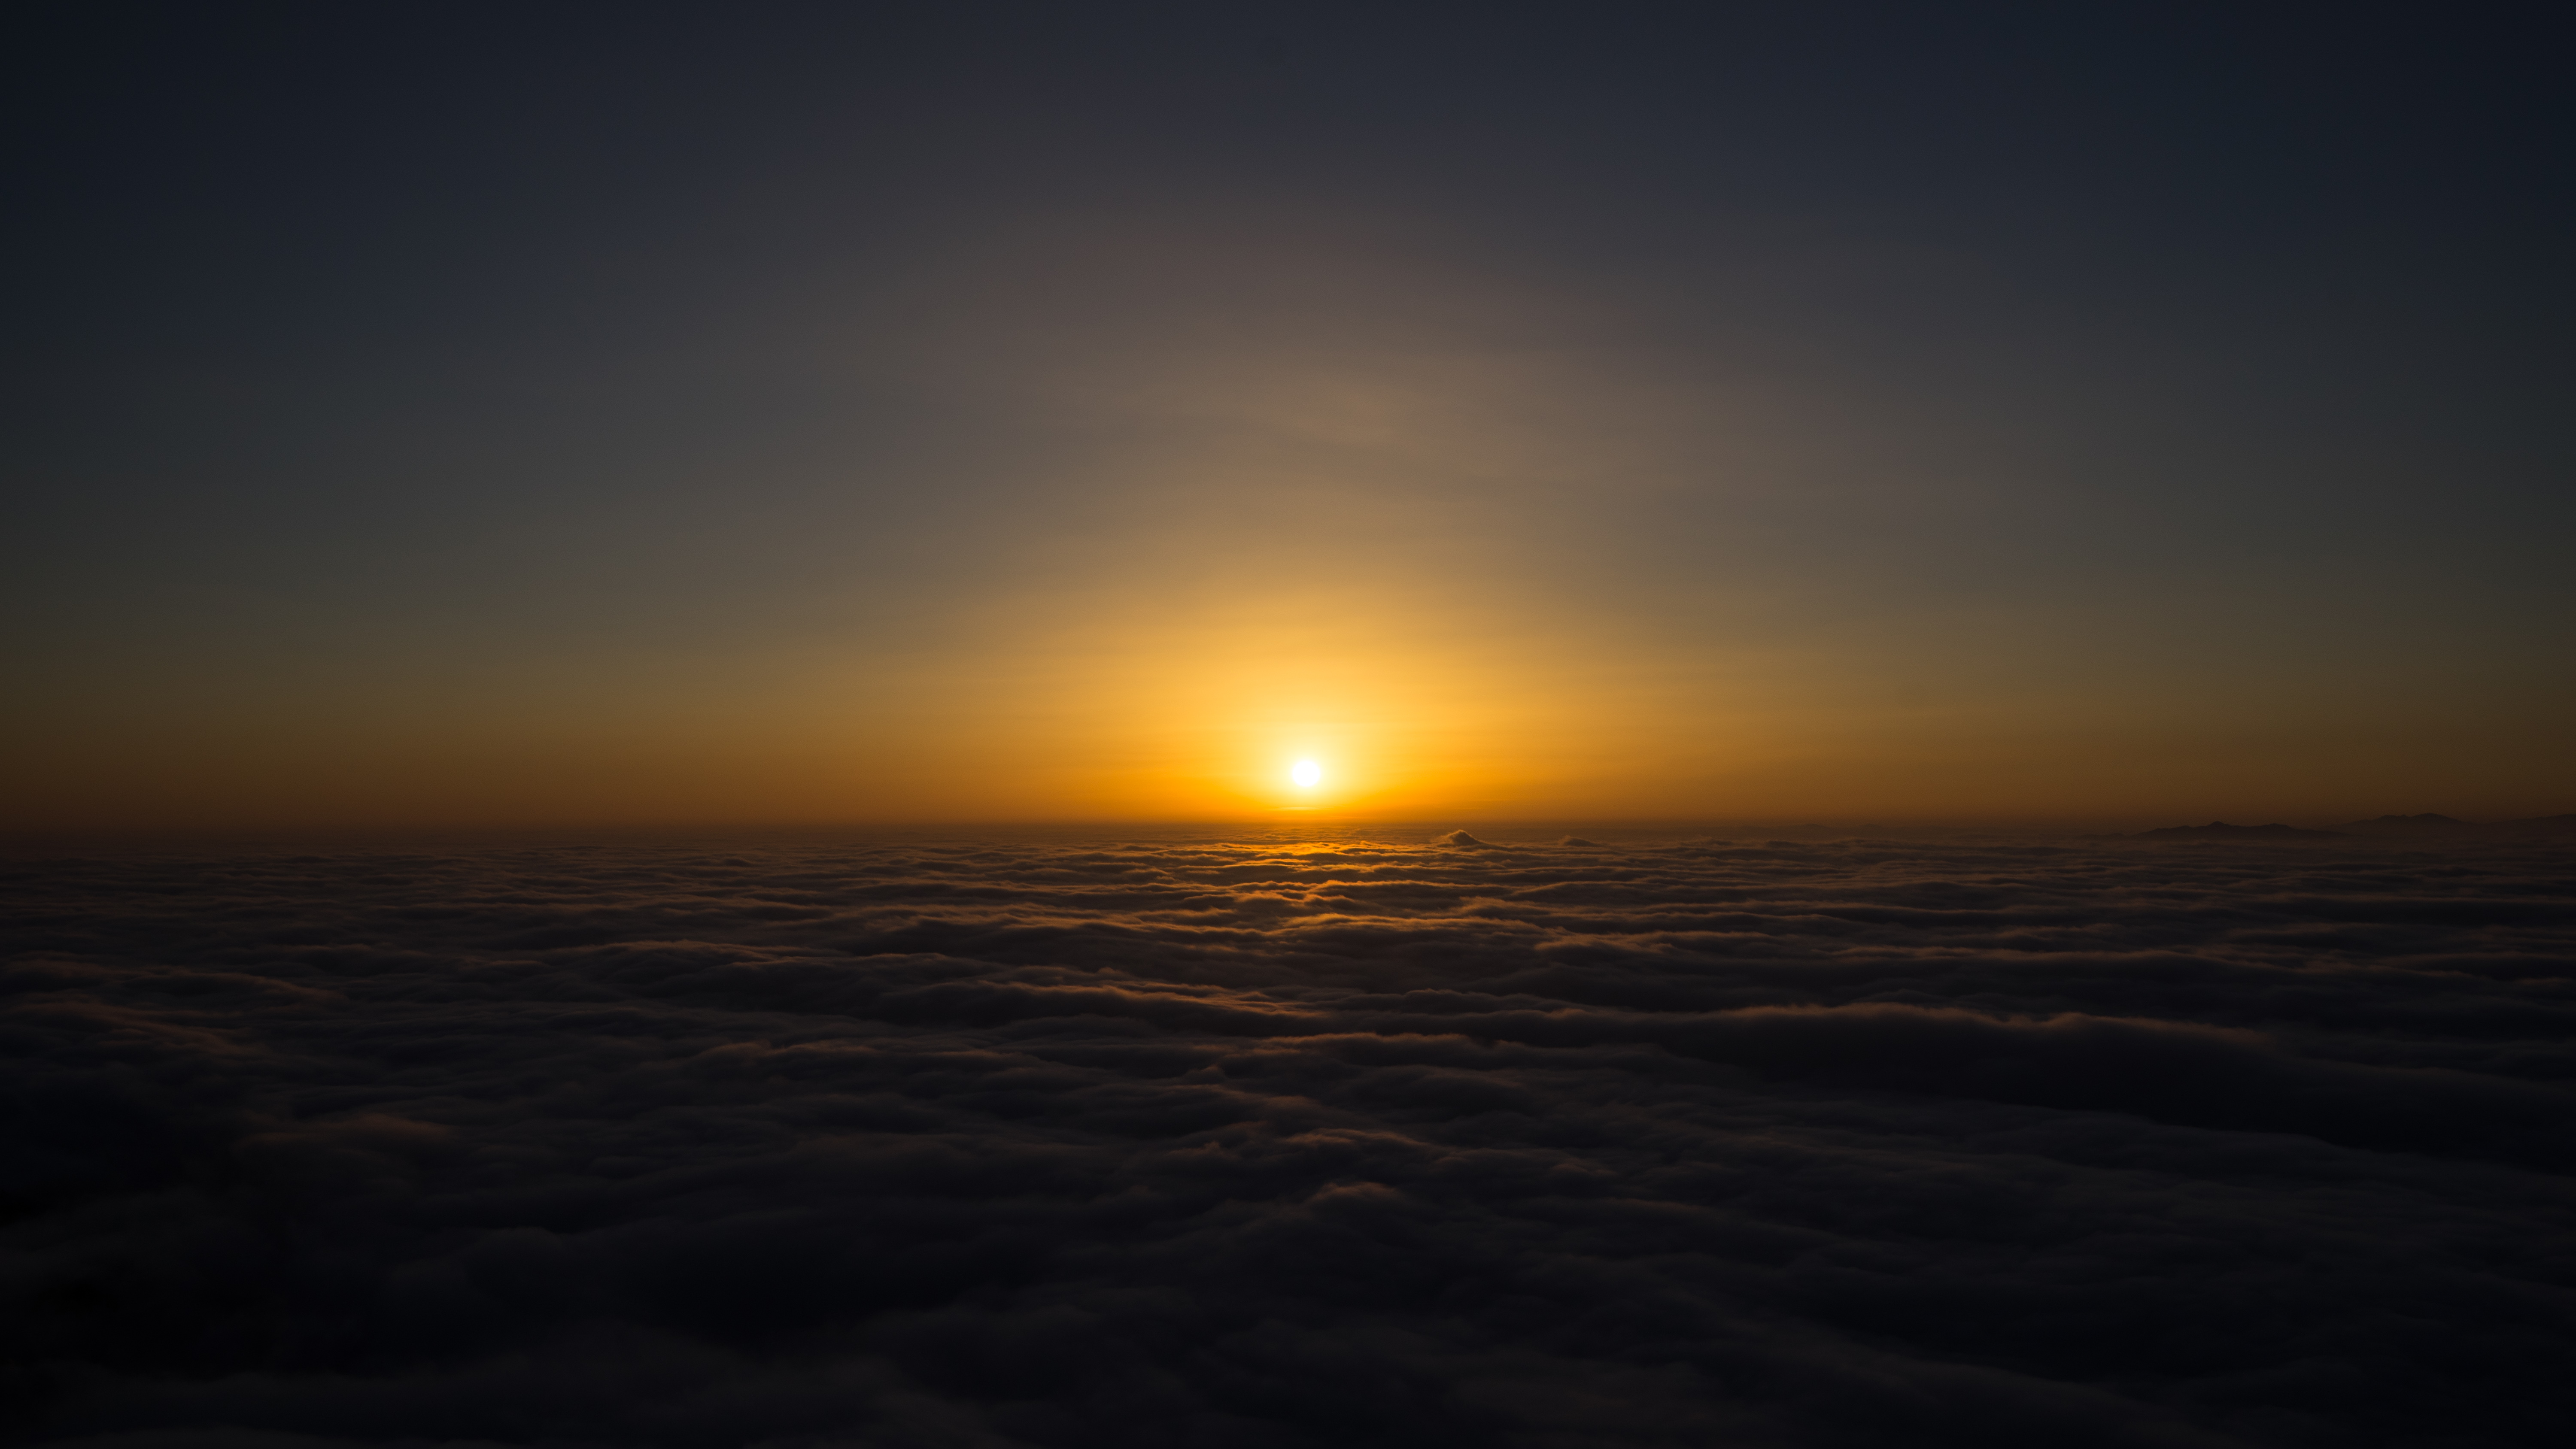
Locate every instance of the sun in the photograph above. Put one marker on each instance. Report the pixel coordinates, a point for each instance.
(1307, 774)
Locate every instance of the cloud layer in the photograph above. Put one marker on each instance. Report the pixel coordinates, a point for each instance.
(1168, 1141)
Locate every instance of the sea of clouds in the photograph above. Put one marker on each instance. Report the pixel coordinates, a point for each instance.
(1192, 1140)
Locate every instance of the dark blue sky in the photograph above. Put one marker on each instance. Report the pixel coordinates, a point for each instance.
(454, 393)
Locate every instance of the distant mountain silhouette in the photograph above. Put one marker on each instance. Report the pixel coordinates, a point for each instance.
(2221, 830)
(2410, 825)
(2420, 826)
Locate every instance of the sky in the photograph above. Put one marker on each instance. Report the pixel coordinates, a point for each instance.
(454, 415)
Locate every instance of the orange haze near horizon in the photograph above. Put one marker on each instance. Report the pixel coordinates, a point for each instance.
(1150, 507)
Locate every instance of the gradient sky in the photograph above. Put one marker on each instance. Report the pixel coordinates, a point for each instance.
(477, 414)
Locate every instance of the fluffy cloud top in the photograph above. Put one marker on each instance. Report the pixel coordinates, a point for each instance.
(1186, 1142)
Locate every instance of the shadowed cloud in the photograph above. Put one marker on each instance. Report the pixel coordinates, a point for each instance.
(1172, 1140)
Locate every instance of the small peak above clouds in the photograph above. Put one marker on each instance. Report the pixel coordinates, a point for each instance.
(2410, 824)
(2221, 830)
(2424, 825)
(1580, 842)
(2418, 828)
(1462, 839)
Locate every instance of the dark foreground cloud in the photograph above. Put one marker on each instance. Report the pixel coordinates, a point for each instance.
(1181, 1142)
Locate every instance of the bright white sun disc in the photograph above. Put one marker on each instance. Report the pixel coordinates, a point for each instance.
(1306, 773)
